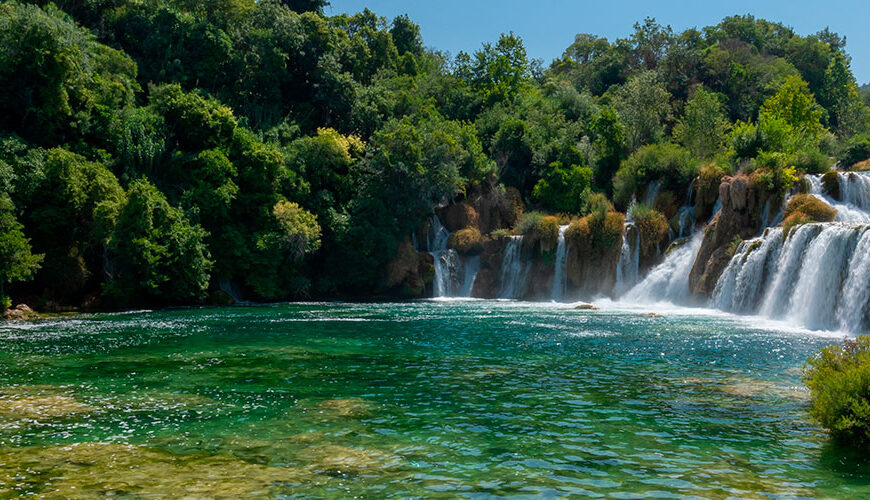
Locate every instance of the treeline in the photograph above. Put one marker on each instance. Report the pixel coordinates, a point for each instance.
(155, 152)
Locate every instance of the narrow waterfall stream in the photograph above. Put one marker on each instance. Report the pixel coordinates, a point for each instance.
(628, 264)
(454, 275)
(560, 271)
(513, 270)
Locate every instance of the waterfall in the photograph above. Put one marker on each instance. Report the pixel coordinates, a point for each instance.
(652, 192)
(628, 265)
(513, 270)
(819, 278)
(560, 272)
(669, 281)
(854, 195)
(469, 274)
(740, 287)
(453, 278)
(687, 221)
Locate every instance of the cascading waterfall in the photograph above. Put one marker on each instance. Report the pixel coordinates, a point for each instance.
(513, 270)
(628, 264)
(669, 281)
(818, 278)
(687, 214)
(560, 272)
(854, 204)
(453, 278)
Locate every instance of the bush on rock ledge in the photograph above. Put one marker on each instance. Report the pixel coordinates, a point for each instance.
(805, 209)
(466, 241)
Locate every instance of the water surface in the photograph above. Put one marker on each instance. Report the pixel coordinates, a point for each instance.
(454, 399)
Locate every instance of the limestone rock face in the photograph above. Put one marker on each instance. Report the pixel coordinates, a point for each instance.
(410, 271)
(460, 216)
(742, 204)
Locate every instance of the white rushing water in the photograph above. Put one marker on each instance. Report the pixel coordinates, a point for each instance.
(453, 277)
(854, 204)
(514, 270)
(560, 271)
(669, 281)
(628, 265)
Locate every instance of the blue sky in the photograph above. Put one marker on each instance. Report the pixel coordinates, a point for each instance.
(548, 26)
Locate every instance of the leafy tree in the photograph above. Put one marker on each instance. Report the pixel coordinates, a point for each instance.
(500, 71)
(644, 107)
(703, 128)
(155, 253)
(56, 81)
(564, 189)
(797, 108)
(17, 263)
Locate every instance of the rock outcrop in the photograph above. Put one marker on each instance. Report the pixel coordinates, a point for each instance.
(410, 271)
(743, 200)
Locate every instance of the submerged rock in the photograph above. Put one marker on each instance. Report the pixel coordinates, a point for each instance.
(348, 408)
(39, 402)
(341, 460)
(89, 470)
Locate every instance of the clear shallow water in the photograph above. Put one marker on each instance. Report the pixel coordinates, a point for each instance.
(451, 399)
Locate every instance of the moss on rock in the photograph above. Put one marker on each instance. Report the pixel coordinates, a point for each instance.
(467, 241)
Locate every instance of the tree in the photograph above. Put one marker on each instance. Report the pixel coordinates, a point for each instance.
(797, 108)
(644, 106)
(499, 72)
(156, 255)
(17, 263)
(300, 232)
(564, 189)
(406, 36)
(703, 128)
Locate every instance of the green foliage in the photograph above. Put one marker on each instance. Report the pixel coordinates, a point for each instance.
(539, 229)
(668, 164)
(703, 128)
(155, 253)
(644, 107)
(299, 229)
(856, 150)
(839, 382)
(598, 232)
(56, 81)
(564, 189)
(794, 105)
(652, 226)
(17, 263)
(466, 241)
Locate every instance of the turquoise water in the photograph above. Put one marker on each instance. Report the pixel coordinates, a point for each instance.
(437, 399)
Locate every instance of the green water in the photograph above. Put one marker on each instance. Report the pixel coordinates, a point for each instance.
(428, 399)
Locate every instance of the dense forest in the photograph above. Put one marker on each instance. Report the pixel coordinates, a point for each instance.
(178, 152)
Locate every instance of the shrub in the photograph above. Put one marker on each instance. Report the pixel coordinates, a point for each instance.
(539, 228)
(856, 150)
(652, 225)
(596, 233)
(839, 382)
(466, 241)
(804, 209)
(670, 165)
(563, 188)
(816, 209)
